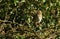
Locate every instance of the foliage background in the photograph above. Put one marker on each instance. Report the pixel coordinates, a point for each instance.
(19, 16)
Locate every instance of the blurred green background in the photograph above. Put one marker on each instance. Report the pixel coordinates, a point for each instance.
(20, 14)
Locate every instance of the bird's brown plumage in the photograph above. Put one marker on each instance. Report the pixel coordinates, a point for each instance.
(37, 17)
(39, 14)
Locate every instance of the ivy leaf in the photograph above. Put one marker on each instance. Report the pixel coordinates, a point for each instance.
(22, 0)
(0, 0)
(15, 1)
(44, 1)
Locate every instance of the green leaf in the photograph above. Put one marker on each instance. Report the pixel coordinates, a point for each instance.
(44, 1)
(20, 37)
(22, 0)
(0, 0)
(15, 1)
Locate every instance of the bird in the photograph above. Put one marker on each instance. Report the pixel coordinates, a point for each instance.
(39, 15)
(37, 18)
